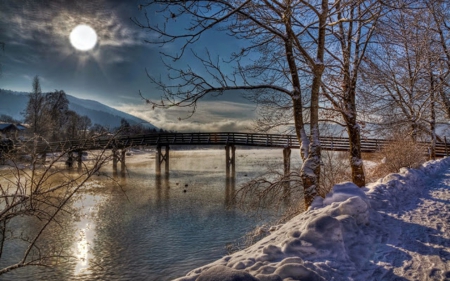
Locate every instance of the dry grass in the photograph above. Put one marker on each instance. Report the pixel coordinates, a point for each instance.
(335, 169)
(398, 154)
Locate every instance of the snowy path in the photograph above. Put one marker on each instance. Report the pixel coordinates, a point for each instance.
(414, 235)
(395, 229)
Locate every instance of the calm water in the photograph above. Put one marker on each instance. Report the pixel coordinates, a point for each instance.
(145, 227)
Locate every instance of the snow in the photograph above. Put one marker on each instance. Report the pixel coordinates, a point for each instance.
(394, 229)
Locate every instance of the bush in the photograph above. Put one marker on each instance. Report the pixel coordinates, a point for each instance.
(398, 154)
(335, 169)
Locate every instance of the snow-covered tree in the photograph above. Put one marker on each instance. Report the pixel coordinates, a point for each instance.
(350, 32)
(407, 70)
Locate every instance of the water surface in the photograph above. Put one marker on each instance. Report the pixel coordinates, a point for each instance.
(144, 227)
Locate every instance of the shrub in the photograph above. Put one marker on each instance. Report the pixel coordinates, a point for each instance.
(397, 154)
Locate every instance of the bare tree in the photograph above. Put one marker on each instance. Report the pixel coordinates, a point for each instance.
(350, 29)
(438, 11)
(34, 112)
(56, 106)
(288, 39)
(401, 70)
(2, 47)
(41, 193)
(85, 124)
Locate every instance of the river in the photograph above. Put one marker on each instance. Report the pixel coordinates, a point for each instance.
(143, 227)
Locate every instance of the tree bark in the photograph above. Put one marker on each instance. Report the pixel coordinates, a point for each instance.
(310, 171)
(296, 94)
(354, 139)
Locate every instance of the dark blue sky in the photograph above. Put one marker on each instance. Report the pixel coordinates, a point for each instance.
(36, 37)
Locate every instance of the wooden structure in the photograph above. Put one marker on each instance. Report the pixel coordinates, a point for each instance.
(162, 157)
(227, 139)
(11, 130)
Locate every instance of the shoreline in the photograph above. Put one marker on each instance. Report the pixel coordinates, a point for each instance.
(338, 236)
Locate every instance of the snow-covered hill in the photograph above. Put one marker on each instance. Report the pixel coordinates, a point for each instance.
(14, 103)
(394, 229)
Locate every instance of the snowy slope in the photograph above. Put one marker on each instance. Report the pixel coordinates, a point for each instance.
(103, 114)
(14, 103)
(395, 229)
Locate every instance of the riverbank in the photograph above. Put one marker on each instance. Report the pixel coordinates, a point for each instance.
(394, 229)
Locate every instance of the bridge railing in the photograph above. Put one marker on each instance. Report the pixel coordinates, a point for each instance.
(215, 138)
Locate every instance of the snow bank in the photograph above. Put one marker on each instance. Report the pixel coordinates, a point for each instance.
(334, 240)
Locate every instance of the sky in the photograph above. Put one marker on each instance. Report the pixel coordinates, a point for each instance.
(36, 36)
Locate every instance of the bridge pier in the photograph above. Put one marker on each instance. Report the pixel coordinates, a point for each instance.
(69, 161)
(79, 158)
(122, 159)
(44, 157)
(230, 160)
(115, 158)
(230, 191)
(160, 157)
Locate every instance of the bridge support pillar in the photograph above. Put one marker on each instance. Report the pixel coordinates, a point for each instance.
(287, 169)
(44, 157)
(122, 159)
(69, 161)
(162, 157)
(230, 160)
(115, 158)
(79, 158)
(230, 191)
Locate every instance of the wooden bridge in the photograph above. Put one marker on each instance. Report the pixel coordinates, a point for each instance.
(228, 139)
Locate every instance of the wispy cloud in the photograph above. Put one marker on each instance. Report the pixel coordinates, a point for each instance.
(50, 23)
(210, 116)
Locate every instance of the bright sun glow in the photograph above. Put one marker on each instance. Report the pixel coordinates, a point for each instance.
(83, 37)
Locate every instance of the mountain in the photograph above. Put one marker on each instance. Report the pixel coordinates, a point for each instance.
(14, 103)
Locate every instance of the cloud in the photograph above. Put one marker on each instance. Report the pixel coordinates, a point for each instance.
(43, 24)
(209, 116)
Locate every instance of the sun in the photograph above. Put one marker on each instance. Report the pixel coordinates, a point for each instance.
(83, 37)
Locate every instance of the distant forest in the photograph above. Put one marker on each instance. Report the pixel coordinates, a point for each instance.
(48, 115)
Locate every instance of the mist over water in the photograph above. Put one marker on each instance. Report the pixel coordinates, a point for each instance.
(147, 227)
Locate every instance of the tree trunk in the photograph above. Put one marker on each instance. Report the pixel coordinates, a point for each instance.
(296, 96)
(433, 120)
(300, 128)
(356, 163)
(310, 171)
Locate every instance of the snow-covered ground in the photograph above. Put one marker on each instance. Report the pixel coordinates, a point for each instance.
(395, 229)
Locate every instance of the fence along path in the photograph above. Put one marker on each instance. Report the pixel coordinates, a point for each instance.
(219, 138)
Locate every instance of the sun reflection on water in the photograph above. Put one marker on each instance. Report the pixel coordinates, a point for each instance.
(82, 247)
(82, 253)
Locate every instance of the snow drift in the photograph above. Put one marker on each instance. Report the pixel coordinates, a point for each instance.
(344, 236)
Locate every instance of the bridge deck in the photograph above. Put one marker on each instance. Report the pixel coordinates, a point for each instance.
(242, 139)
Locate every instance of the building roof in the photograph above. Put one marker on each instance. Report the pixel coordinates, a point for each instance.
(11, 126)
